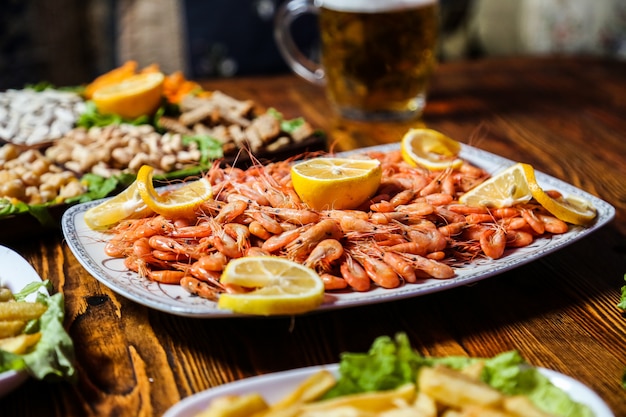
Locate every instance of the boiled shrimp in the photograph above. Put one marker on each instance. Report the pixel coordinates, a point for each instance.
(324, 253)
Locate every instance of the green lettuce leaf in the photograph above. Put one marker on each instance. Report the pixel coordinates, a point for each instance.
(53, 356)
(390, 363)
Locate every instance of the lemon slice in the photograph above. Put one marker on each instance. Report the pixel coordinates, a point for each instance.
(505, 189)
(430, 149)
(127, 204)
(132, 97)
(572, 210)
(336, 183)
(278, 286)
(180, 202)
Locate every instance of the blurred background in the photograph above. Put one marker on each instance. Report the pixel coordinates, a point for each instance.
(70, 42)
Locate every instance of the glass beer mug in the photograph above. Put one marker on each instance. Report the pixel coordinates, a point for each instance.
(377, 56)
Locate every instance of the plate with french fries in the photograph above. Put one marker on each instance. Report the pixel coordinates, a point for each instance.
(393, 380)
(15, 274)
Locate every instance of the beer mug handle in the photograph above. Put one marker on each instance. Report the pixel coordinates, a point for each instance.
(299, 63)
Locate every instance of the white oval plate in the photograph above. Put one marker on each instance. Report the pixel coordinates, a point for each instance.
(88, 247)
(275, 386)
(15, 274)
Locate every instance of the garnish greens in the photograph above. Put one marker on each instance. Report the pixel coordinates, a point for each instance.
(53, 356)
(391, 363)
(287, 126)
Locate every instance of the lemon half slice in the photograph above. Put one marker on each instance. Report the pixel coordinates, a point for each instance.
(430, 149)
(504, 189)
(180, 202)
(278, 286)
(572, 210)
(336, 183)
(132, 97)
(126, 205)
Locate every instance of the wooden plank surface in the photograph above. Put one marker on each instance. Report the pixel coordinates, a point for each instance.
(564, 116)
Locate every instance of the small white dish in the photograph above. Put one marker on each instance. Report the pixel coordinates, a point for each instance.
(275, 386)
(15, 274)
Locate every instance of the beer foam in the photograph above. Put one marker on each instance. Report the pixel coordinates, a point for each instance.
(372, 6)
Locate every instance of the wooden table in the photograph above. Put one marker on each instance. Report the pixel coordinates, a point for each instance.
(567, 117)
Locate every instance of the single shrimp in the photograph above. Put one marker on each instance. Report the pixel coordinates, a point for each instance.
(379, 271)
(170, 256)
(514, 223)
(168, 244)
(403, 197)
(354, 274)
(534, 221)
(240, 233)
(324, 253)
(431, 267)
(256, 251)
(231, 211)
(448, 215)
(296, 216)
(493, 242)
(400, 265)
(418, 208)
(428, 236)
(437, 199)
(463, 209)
(215, 261)
(354, 224)
(476, 218)
(451, 229)
(226, 244)
(269, 223)
(199, 288)
(333, 282)
(203, 274)
(339, 214)
(504, 212)
(278, 242)
(518, 238)
(166, 276)
(408, 247)
(202, 229)
(300, 248)
(382, 207)
(257, 229)
(552, 224)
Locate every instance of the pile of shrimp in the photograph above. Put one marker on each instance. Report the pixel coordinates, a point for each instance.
(413, 229)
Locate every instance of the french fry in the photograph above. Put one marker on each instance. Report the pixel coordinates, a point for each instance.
(310, 390)
(21, 310)
(519, 406)
(425, 405)
(235, 406)
(483, 412)
(377, 402)
(452, 388)
(11, 328)
(19, 344)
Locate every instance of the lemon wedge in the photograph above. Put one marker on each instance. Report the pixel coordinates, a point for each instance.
(430, 149)
(180, 202)
(505, 189)
(336, 183)
(277, 286)
(135, 96)
(572, 210)
(125, 205)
